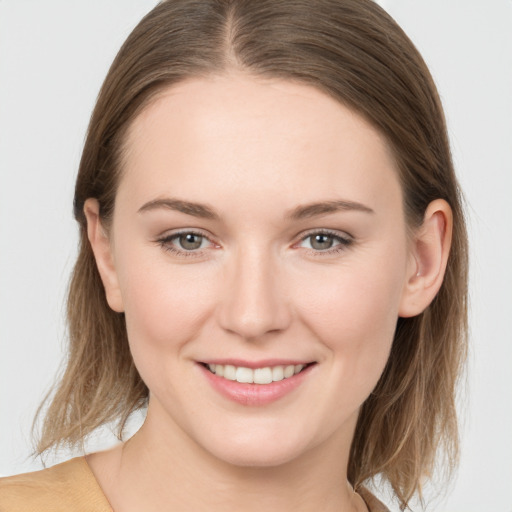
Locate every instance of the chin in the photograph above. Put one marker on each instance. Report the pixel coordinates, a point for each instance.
(257, 449)
(256, 457)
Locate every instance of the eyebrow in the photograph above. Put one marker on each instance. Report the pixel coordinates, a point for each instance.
(195, 209)
(300, 212)
(322, 208)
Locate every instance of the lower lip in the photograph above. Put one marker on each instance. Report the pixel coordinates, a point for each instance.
(255, 394)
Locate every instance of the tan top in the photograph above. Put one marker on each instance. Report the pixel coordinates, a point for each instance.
(71, 486)
(66, 487)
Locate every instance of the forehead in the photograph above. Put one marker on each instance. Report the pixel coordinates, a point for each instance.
(240, 135)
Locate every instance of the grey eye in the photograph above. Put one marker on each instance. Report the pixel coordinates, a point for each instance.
(190, 241)
(321, 241)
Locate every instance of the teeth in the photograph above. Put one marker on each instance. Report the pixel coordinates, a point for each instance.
(277, 373)
(258, 376)
(229, 371)
(289, 371)
(262, 376)
(245, 375)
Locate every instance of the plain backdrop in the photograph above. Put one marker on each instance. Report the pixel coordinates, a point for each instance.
(53, 58)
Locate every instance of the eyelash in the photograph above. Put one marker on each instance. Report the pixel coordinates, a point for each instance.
(343, 243)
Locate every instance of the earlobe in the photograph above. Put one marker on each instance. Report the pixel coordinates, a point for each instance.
(102, 249)
(430, 249)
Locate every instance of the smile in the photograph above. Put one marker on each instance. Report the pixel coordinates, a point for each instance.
(264, 383)
(265, 375)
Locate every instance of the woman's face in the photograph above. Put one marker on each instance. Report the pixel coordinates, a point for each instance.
(258, 226)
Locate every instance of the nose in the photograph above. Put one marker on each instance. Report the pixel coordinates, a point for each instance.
(254, 302)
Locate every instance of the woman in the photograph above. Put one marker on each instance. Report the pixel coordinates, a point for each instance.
(273, 260)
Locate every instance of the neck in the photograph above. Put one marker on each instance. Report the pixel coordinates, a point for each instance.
(196, 480)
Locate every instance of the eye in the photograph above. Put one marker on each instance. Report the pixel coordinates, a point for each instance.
(325, 241)
(185, 243)
(189, 241)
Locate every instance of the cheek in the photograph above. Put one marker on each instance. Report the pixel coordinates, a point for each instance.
(354, 314)
(165, 305)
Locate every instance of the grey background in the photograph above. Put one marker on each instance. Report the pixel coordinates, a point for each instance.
(53, 58)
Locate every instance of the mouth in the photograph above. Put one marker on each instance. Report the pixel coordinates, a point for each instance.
(256, 383)
(261, 376)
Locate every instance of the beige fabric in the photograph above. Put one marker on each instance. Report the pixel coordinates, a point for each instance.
(71, 487)
(66, 487)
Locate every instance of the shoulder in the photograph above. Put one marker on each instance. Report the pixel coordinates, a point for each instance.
(64, 487)
(373, 504)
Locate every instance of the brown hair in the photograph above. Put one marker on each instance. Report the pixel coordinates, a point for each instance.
(356, 53)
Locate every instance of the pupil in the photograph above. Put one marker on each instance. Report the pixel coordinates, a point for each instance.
(190, 241)
(322, 242)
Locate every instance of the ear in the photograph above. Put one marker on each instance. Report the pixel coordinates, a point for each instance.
(430, 248)
(102, 249)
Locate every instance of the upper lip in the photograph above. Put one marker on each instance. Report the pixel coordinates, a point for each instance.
(262, 363)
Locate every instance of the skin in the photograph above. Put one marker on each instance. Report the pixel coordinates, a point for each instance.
(258, 287)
